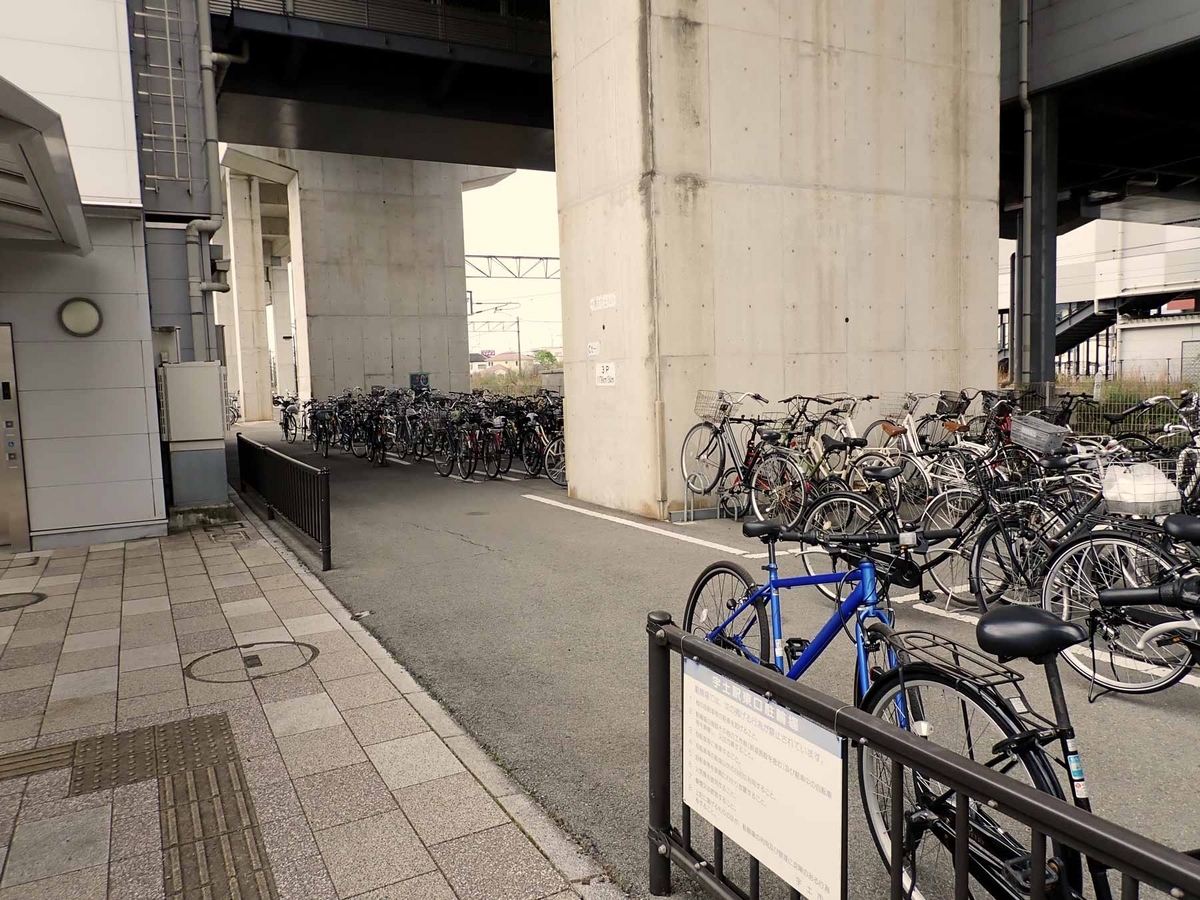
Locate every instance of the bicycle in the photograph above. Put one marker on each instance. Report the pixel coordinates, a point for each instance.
(288, 411)
(233, 410)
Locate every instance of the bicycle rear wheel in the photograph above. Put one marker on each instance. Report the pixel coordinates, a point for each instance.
(445, 450)
(950, 568)
(718, 591)
(942, 708)
(777, 490)
(1082, 568)
(531, 454)
(839, 514)
(1008, 563)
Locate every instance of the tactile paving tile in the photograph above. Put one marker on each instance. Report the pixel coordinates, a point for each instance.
(31, 762)
(192, 743)
(112, 760)
(212, 846)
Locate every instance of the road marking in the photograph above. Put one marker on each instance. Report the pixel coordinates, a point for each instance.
(686, 538)
(509, 478)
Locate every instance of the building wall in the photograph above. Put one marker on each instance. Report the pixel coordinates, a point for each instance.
(89, 410)
(73, 55)
(1154, 348)
(377, 269)
(1114, 259)
(766, 196)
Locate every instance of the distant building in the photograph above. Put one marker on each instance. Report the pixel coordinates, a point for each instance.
(509, 361)
(479, 362)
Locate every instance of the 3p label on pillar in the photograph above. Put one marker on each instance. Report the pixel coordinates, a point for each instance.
(603, 301)
(593, 348)
(606, 374)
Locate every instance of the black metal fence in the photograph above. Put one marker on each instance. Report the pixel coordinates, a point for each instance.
(1137, 858)
(294, 490)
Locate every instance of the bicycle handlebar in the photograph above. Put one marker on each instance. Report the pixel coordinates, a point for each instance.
(1169, 593)
(929, 535)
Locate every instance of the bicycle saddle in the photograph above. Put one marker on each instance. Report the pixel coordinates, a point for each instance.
(767, 531)
(1026, 631)
(1053, 463)
(880, 473)
(1183, 528)
(769, 437)
(1113, 418)
(831, 445)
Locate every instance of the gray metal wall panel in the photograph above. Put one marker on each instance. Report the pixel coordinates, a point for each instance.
(1073, 38)
(147, 30)
(198, 478)
(166, 266)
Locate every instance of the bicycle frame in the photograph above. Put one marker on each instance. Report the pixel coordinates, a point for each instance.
(863, 603)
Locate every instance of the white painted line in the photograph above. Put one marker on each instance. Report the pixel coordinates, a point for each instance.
(945, 613)
(509, 478)
(686, 538)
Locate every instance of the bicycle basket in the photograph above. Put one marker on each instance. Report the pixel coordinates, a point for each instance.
(1142, 488)
(714, 406)
(1037, 435)
(951, 403)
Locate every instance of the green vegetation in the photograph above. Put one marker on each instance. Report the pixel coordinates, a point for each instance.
(512, 383)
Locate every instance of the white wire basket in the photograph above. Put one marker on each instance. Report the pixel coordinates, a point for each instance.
(1142, 488)
(1036, 435)
(714, 406)
(894, 405)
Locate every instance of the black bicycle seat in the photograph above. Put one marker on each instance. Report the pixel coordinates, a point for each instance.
(1183, 528)
(769, 437)
(1026, 631)
(880, 473)
(832, 446)
(1053, 463)
(767, 531)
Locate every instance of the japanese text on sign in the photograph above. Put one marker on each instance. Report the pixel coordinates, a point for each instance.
(603, 301)
(606, 374)
(771, 781)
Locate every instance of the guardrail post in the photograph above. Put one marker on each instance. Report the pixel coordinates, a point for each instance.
(241, 462)
(323, 503)
(660, 752)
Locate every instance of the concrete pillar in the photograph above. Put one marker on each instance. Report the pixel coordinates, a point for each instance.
(249, 297)
(281, 311)
(1042, 292)
(776, 196)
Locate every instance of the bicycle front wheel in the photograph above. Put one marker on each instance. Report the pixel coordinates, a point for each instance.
(445, 450)
(777, 490)
(555, 462)
(721, 589)
(702, 459)
(1111, 659)
(954, 714)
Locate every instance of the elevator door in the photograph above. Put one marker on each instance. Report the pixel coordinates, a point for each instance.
(14, 514)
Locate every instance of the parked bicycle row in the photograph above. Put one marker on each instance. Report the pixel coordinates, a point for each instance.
(460, 432)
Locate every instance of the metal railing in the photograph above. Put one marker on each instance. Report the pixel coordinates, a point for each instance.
(1138, 859)
(296, 491)
(415, 18)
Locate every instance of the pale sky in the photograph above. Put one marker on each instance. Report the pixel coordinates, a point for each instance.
(517, 217)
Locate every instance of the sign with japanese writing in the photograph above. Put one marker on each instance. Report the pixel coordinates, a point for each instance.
(771, 781)
(606, 374)
(593, 348)
(603, 301)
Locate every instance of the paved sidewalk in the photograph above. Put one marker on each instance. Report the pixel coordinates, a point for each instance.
(196, 716)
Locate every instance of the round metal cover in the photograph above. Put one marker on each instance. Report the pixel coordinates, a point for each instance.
(9, 602)
(249, 662)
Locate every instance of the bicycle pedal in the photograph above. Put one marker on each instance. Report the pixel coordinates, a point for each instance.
(928, 596)
(1019, 872)
(793, 648)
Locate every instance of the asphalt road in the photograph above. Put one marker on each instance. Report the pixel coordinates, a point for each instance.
(526, 619)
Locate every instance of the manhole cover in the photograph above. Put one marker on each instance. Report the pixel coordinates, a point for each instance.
(9, 602)
(229, 537)
(248, 662)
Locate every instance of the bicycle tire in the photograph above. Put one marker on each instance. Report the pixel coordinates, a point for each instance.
(918, 686)
(839, 513)
(1119, 636)
(950, 568)
(1029, 545)
(359, 445)
(738, 587)
(491, 458)
(465, 457)
(778, 490)
(289, 429)
(699, 475)
(444, 453)
(875, 436)
(325, 447)
(531, 455)
(554, 462)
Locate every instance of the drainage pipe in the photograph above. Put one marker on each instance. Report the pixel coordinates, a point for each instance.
(197, 285)
(1021, 322)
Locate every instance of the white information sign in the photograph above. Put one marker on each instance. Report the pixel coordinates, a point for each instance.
(593, 348)
(771, 781)
(603, 301)
(606, 374)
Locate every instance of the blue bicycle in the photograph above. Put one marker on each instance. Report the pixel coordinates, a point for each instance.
(727, 607)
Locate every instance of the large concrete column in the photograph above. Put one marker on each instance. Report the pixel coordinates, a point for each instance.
(774, 195)
(281, 310)
(249, 297)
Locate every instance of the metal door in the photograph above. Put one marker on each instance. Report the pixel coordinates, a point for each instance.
(14, 512)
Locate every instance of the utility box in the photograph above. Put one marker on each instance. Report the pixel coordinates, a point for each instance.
(193, 427)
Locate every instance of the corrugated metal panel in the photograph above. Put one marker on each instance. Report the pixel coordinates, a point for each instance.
(341, 12)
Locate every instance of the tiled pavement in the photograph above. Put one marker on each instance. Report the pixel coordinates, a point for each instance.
(356, 782)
